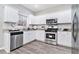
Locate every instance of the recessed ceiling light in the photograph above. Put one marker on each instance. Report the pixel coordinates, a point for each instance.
(36, 5)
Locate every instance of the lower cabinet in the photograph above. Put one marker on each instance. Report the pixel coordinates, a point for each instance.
(33, 35)
(28, 36)
(7, 42)
(40, 35)
(64, 38)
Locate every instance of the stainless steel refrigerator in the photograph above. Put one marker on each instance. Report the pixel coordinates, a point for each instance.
(75, 29)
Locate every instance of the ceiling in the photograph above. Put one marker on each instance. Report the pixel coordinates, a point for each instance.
(39, 7)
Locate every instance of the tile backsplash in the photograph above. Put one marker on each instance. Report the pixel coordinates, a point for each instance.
(61, 27)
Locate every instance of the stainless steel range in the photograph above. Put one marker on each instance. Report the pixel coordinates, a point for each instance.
(51, 31)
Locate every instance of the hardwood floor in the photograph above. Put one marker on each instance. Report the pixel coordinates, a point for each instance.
(37, 47)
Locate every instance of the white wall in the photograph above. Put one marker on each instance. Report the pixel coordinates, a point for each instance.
(1, 34)
(1, 25)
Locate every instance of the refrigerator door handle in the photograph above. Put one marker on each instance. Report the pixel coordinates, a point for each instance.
(75, 31)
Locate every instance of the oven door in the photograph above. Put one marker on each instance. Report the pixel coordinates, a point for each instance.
(50, 36)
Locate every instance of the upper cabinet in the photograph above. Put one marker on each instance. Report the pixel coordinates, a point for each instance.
(64, 16)
(11, 14)
(41, 20)
(38, 20)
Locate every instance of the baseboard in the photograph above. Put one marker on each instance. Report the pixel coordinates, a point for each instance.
(64, 46)
(29, 42)
(56, 44)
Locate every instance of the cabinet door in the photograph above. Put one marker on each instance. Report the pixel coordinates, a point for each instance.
(64, 16)
(64, 38)
(28, 36)
(40, 35)
(25, 37)
(40, 20)
(11, 14)
(32, 35)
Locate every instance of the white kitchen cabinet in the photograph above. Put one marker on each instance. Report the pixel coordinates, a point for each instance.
(64, 38)
(64, 16)
(28, 36)
(38, 20)
(32, 19)
(40, 35)
(7, 41)
(42, 20)
(11, 14)
(32, 35)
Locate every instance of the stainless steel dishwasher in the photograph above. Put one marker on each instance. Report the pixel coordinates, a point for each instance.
(16, 40)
